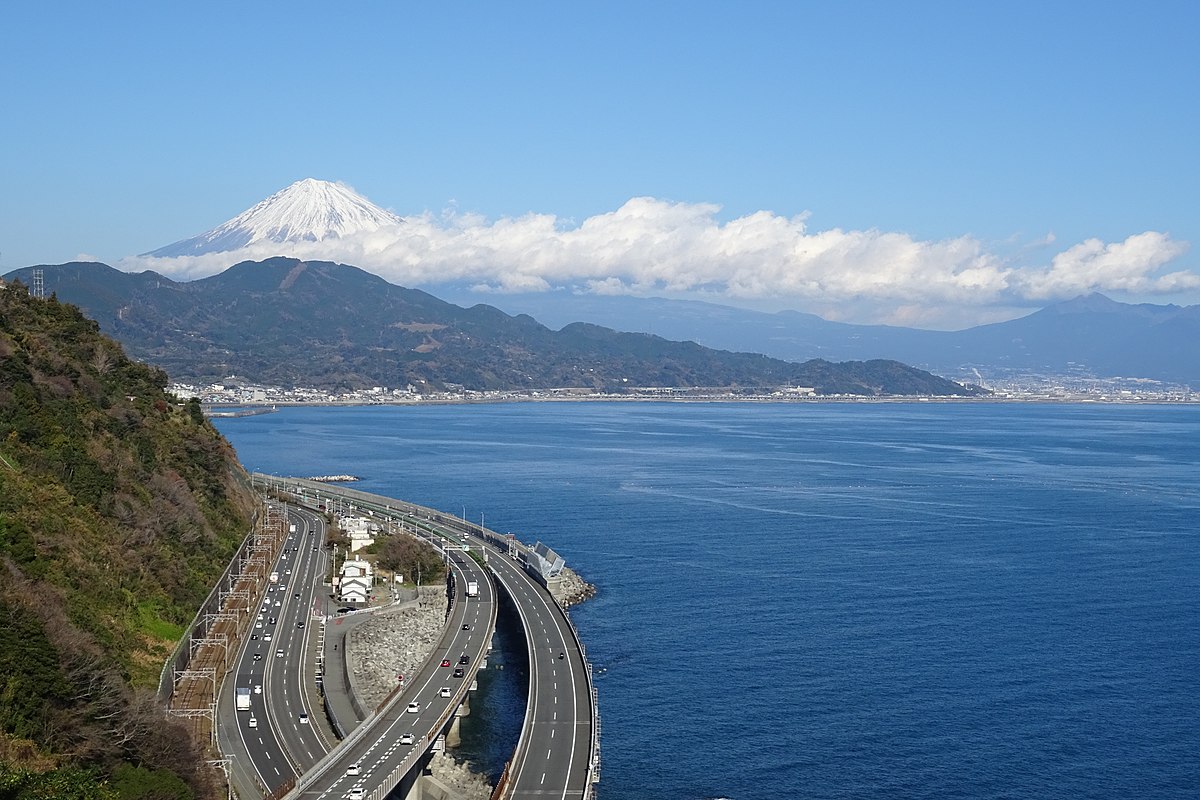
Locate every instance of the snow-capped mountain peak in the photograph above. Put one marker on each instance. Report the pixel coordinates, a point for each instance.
(309, 210)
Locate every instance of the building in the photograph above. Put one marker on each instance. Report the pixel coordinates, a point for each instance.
(359, 530)
(354, 581)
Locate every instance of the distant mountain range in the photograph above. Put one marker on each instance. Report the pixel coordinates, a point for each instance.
(292, 323)
(1086, 336)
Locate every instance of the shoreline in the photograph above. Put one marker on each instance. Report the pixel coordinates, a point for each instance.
(892, 399)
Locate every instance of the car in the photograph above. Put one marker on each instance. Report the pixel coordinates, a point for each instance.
(260, 616)
(304, 719)
(258, 688)
(253, 723)
(253, 636)
(258, 656)
(357, 793)
(561, 656)
(407, 738)
(299, 624)
(266, 637)
(353, 771)
(279, 654)
(258, 624)
(278, 603)
(288, 572)
(445, 662)
(464, 659)
(458, 672)
(297, 594)
(413, 707)
(466, 627)
(314, 549)
(444, 691)
(273, 620)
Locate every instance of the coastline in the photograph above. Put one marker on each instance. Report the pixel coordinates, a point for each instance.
(211, 408)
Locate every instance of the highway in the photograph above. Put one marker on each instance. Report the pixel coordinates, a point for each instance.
(554, 752)
(269, 742)
(557, 755)
(385, 747)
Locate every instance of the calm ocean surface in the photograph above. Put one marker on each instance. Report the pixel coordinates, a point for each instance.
(836, 600)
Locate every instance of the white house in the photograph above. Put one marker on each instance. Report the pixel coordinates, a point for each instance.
(360, 530)
(354, 583)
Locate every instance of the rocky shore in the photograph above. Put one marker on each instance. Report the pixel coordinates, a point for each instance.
(570, 589)
(394, 642)
(397, 641)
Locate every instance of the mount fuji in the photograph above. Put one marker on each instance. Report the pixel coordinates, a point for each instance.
(307, 211)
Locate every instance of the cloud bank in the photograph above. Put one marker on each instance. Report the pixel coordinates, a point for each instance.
(655, 247)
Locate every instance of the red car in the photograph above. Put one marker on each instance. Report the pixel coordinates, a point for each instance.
(445, 662)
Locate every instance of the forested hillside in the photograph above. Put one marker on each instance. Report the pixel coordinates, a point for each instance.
(119, 507)
(285, 322)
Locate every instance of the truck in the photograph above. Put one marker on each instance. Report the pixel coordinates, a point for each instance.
(472, 588)
(243, 698)
(292, 528)
(274, 577)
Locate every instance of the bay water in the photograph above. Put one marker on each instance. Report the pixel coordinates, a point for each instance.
(833, 600)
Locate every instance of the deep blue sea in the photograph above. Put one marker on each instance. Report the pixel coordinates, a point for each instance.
(838, 600)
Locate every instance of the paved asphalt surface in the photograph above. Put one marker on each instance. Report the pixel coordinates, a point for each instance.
(276, 739)
(555, 747)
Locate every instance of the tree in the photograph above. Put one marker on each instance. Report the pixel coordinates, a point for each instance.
(412, 557)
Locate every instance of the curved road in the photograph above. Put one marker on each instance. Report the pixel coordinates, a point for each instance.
(557, 748)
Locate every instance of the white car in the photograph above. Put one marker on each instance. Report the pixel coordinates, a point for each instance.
(253, 723)
(407, 738)
(444, 691)
(304, 719)
(357, 793)
(258, 688)
(414, 707)
(279, 654)
(266, 637)
(354, 770)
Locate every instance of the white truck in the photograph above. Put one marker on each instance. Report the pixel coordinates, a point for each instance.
(472, 588)
(243, 698)
(274, 578)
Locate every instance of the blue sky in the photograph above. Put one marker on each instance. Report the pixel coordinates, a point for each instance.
(1023, 130)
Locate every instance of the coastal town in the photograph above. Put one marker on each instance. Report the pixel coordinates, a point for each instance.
(234, 391)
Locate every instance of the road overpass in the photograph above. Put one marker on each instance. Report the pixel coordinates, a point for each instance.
(557, 754)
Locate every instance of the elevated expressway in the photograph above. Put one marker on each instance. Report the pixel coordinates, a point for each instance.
(282, 751)
(557, 754)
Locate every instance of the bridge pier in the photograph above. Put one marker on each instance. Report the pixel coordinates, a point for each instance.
(453, 736)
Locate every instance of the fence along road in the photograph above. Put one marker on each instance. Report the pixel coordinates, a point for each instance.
(557, 754)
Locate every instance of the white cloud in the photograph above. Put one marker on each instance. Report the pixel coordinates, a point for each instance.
(1126, 266)
(651, 246)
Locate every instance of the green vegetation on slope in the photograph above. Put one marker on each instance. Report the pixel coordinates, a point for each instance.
(119, 507)
(293, 323)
